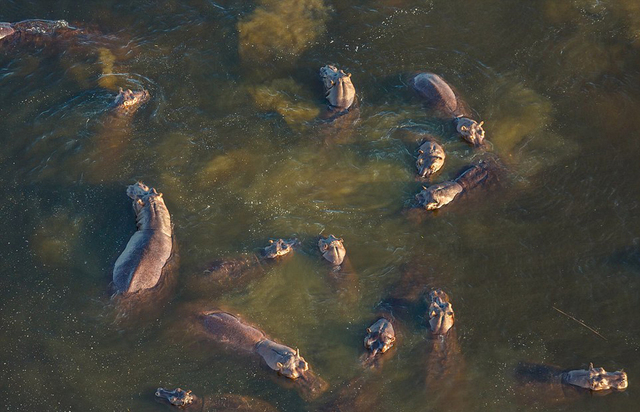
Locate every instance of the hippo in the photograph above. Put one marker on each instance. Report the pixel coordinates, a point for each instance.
(238, 271)
(379, 339)
(35, 31)
(438, 95)
(127, 102)
(485, 172)
(187, 401)
(332, 249)
(338, 88)
(440, 312)
(229, 330)
(548, 384)
(143, 264)
(431, 158)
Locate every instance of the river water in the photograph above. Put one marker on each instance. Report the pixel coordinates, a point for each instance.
(229, 137)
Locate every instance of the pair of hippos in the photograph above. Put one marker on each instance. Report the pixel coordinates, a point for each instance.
(143, 267)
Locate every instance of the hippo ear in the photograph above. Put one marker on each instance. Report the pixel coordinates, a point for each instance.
(424, 187)
(392, 339)
(140, 202)
(420, 151)
(590, 366)
(297, 352)
(368, 330)
(279, 365)
(348, 74)
(154, 191)
(481, 123)
(270, 241)
(120, 91)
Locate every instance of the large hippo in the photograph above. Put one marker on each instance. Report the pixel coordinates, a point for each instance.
(380, 337)
(343, 278)
(144, 264)
(438, 95)
(238, 271)
(539, 383)
(187, 401)
(230, 331)
(338, 89)
(441, 194)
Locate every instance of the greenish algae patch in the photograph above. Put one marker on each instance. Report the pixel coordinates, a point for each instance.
(54, 241)
(281, 29)
(288, 99)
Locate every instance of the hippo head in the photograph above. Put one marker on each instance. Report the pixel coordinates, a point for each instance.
(380, 337)
(6, 30)
(277, 248)
(338, 88)
(127, 101)
(441, 316)
(438, 195)
(141, 193)
(430, 159)
(176, 397)
(470, 130)
(597, 379)
(292, 365)
(332, 249)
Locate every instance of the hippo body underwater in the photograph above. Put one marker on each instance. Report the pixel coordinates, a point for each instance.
(146, 263)
(547, 384)
(484, 173)
(230, 331)
(238, 271)
(187, 401)
(439, 96)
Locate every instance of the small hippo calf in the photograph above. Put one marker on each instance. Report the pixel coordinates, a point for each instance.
(438, 95)
(143, 263)
(227, 329)
(187, 401)
(338, 89)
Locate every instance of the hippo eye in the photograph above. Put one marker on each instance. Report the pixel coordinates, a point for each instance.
(450, 313)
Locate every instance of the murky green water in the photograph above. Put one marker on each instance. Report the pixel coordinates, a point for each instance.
(228, 137)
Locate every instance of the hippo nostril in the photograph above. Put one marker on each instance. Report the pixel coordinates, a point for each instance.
(158, 394)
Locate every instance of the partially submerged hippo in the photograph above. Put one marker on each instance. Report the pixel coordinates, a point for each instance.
(547, 383)
(143, 264)
(438, 95)
(187, 401)
(237, 271)
(441, 194)
(440, 312)
(127, 102)
(379, 339)
(431, 158)
(227, 329)
(332, 249)
(339, 92)
(35, 31)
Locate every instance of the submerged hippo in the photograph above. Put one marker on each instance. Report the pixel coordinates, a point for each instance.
(143, 264)
(431, 158)
(441, 194)
(228, 330)
(546, 383)
(14, 31)
(187, 401)
(438, 95)
(127, 102)
(238, 271)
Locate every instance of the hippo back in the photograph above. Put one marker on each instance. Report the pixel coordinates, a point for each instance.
(436, 93)
(6, 30)
(43, 27)
(229, 330)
